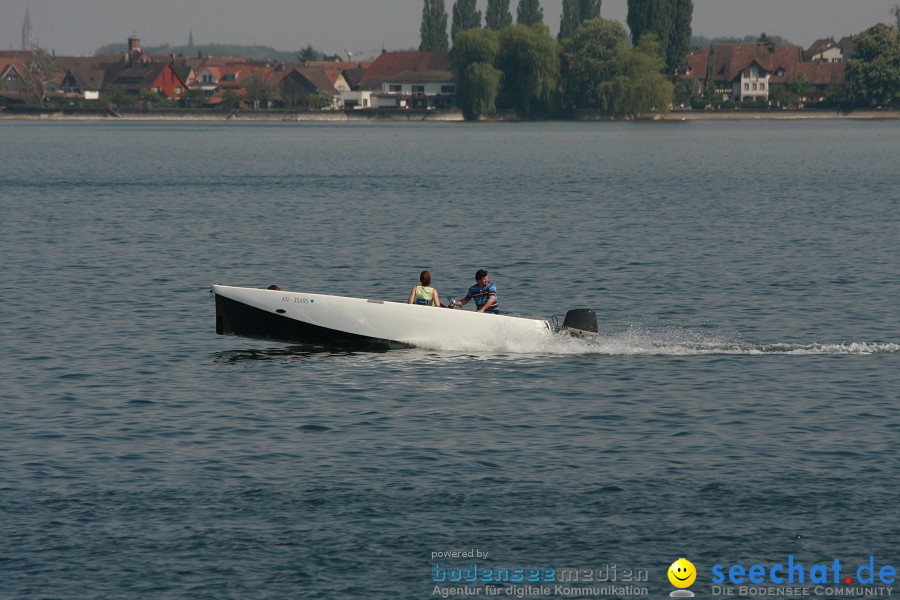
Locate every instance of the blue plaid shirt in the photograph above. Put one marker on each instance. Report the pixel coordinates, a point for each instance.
(481, 295)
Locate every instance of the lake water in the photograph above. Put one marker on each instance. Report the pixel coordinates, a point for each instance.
(740, 405)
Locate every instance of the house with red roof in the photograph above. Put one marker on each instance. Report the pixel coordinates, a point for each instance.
(29, 76)
(830, 51)
(751, 71)
(301, 83)
(406, 80)
(137, 72)
(12, 84)
(11, 70)
(81, 76)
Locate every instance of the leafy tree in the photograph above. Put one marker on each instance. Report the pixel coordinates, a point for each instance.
(193, 99)
(687, 91)
(591, 57)
(800, 87)
(117, 98)
(530, 13)
(874, 72)
(602, 73)
(151, 98)
(231, 100)
(639, 86)
(497, 15)
(309, 54)
(836, 92)
(477, 94)
(473, 57)
(260, 91)
(434, 27)
(781, 97)
(475, 46)
(464, 17)
(670, 21)
(529, 61)
(896, 12)
(574, 13)
(319, 101)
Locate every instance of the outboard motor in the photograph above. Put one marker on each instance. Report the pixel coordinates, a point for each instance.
(581, 323)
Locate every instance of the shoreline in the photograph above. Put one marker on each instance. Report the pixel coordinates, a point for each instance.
(744, 115)
(441, 116)
(237, 117)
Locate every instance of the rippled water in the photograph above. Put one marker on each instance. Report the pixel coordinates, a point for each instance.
(740, 404)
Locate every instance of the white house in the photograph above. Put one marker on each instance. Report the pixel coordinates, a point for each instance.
(409, 80)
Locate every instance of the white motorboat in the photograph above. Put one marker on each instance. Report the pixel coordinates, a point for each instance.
(319, 319)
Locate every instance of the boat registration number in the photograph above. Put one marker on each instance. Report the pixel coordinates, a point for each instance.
(296, 300)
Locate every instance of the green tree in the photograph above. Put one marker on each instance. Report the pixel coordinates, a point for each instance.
(589, 9)
(475, 46)
(874, 72)
(151, 98)
(669, 21)
(478, 94)
(574, 13)
(800, 87)
(591, 56)
(434, 27)
(781, 97)
(117, 98)
(568, 21)
(465, 16)
(639, 17)
(680, 37)
(473, 60)
(309, 54)
(639, 85)
(318, 101)
(529, 60)
(896, 12)
(230, 100)
(193, 99)
(530, 12)
(260, 91)
(497, 15)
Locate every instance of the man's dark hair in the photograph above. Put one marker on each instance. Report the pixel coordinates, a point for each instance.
(480, 273)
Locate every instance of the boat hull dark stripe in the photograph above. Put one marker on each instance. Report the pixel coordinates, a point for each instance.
(237, 318)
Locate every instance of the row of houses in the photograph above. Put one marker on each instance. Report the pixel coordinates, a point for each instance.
(396, 80)
(751, 71)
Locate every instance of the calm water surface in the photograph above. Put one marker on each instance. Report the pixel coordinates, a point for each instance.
(739, 406)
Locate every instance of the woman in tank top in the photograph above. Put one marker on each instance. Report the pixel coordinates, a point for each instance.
(424, 294)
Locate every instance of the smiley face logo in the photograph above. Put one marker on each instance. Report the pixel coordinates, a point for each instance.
(682, 573)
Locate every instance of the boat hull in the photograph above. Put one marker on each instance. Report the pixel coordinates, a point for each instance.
(318, 319)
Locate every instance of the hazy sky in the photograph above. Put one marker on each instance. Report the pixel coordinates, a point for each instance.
(81, 26)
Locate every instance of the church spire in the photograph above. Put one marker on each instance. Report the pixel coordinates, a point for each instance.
(191, 39)
(29, 42)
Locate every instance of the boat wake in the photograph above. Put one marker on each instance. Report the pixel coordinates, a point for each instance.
(660, 342)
